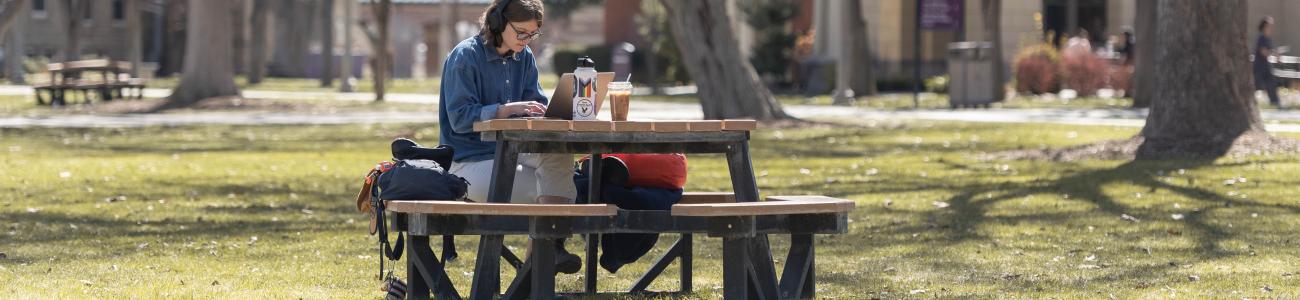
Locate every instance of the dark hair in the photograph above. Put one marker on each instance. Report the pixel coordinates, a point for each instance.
(491, 23)
(1265, 22)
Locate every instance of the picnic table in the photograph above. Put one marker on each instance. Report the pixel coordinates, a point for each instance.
(1286, 68)
(738, 218)
(114, 81)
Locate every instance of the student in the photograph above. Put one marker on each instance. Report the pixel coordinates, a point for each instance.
(493, 75)
(1263, 69)
(634, 182)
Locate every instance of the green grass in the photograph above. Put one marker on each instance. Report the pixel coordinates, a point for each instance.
(365, 85)
(929, 101)
(25, 106)
(14, 105)
(264, 212)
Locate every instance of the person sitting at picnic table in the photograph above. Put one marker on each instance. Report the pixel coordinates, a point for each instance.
(493, 75)
(633, 182)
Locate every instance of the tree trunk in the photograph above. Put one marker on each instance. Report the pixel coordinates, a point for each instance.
(993, 29)
(207, 72)
(728, 85)
(10, 11)
(13, 23)
(134, 36)
(853, 71)
(239, 39)
(379, 50)
(345, 77)
(256, 69)
(174, 37)
(327, 43)
(446, 35)
(1144, 80)
(293, 37)
(1204, 99)
(73, 12)
(861, 78)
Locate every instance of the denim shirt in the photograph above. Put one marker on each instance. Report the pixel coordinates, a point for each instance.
(476, 81)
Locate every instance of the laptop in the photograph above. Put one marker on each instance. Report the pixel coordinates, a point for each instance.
(562, 99)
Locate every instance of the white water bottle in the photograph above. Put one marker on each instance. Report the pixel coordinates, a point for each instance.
(584, 90)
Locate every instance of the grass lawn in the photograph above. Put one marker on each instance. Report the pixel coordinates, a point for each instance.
(25, 106)
(264, 212)
(927, 101)
(365, 85)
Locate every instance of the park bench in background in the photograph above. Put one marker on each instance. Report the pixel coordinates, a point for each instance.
(113, 81)
(1287, 68)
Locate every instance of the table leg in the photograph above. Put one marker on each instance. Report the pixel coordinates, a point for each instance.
(687, 252)
(763, 270)
(735, 259)
(543, 269)
(745, 186)
(487, 266)
(742, 172)
(593, 240)
(416, 288)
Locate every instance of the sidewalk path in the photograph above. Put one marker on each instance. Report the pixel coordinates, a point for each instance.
(643, 110)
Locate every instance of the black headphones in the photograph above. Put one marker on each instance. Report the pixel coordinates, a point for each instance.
(496, 22)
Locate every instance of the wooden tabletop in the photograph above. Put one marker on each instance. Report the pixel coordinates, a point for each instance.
(94, 64)
(615, 126)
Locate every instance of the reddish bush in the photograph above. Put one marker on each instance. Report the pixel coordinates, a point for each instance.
(1038, 70)
(1121, 79)
(1085, 72)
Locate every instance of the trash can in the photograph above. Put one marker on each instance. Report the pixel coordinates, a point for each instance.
(970, 72)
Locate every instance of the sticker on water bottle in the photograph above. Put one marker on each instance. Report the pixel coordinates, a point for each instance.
(584, 107)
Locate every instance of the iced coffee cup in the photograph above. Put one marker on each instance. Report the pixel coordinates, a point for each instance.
(620, 93)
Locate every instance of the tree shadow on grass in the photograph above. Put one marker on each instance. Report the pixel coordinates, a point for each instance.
(104, 237)
(971, 207)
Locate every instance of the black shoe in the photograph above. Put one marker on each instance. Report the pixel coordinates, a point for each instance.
(613, 171)
(567, 263)
(608, 263)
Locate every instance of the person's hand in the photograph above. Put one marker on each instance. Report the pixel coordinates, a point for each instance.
(530, 109)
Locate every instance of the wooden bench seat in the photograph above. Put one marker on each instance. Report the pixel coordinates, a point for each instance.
(707, 197)
(776, 205)
(502, 209)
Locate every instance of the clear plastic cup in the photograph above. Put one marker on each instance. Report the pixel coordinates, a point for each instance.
(620, 93)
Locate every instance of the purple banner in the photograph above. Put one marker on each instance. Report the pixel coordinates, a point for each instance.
(941, 14)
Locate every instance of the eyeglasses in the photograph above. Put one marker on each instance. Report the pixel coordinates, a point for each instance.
(524, 36)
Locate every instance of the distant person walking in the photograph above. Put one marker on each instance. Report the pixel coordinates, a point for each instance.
(1263, 68)
(1127, 46)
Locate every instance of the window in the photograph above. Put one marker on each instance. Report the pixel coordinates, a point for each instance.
(119, 10)
(38, 9)
(89, 10)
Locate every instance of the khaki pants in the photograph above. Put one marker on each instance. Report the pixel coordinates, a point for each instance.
(536, 175)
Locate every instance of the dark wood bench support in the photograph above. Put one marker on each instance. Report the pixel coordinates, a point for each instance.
(426, 273)
(677, 251)
(798, 278)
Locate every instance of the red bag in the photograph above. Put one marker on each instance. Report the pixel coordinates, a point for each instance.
(665, 171)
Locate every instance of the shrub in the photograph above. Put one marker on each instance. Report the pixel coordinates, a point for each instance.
(1121, 79)
(1085, 72)
(1038, 70)
(937, 84)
